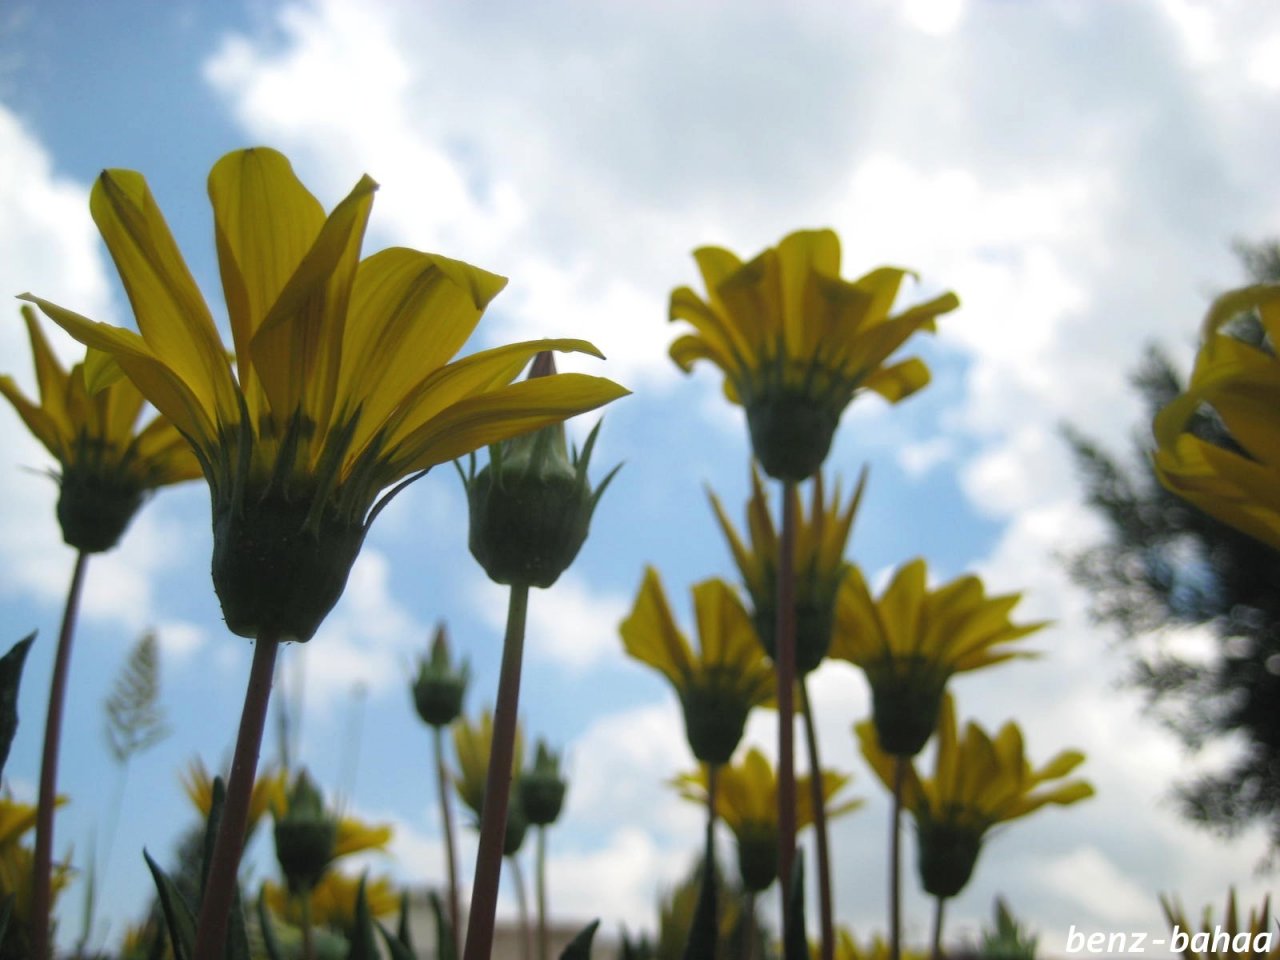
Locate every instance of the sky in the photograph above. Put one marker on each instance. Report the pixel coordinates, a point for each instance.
(1075, 172)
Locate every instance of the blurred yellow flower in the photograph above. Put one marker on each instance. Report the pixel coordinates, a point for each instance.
(472, 744)
(341, 386)
(268, 792)
(877, 948)
(105, 468)
(796, 342)
(819, 563)
(747, 802)
(17, 869)
(1229, 465)
(911, 641)
(333, 901)
(978, 782)
(721, 683)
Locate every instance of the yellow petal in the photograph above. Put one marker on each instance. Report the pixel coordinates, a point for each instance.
(650, 635)
(41, 425)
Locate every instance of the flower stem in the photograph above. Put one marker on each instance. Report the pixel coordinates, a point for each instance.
(308, 936)
(753, 928)
(785, 641)
(817, 794)
(544, 940)
(939, 907)
(220, 885)
(446, 819)
(895, 862)
(497, 791)
(42, 891)
(522, 906)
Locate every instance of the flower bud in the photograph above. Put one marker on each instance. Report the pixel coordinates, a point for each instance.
(947, 856)
(757, 856)
(439, 687)
(542, 789)
(517, 826)
(531, 506)
(905, 702)
(305, 835)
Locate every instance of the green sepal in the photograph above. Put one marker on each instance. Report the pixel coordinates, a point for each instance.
(95, 507)
(179, 918)
(796, 946)
(579, 948)
(446, 944)
(10, 677)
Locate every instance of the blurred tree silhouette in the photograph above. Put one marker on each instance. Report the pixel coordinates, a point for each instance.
(1164, 564)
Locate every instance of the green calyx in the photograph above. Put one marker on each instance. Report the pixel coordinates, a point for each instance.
(440, 686)
(531, 507)
(278, 567)
(814, 622)
(95, 506)
(757, 856)
(715, 714)
(542, 788)
(948, 854)
(305, 834)
(791, 432)
(905, 701)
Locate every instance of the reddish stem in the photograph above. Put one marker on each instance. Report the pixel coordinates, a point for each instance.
(42, 891)
(220, 885)
(817, 795)
(446, 818)
(785, 637)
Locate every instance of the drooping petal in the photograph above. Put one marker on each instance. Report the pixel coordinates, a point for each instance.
(650, 634)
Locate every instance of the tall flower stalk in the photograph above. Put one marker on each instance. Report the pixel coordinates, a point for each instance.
(106, 469)
(341, 392)
(796, 343)
(530, 511)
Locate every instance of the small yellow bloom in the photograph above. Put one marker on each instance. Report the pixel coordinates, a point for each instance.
(911, 641)
(877, 948)
(1230, 470)
(17, 870)
(268, 792)
(1227, 939)
(978, 782)
(796, 342)
(819, 563)
(747, 803)
(473, 743)
(718, 686)
(105, 468)
(342, 386)
(333, 901)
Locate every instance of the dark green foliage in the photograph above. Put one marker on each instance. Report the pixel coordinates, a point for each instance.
(704, 932)
(10, 677)
(446, 944)
(796, 946)
(1164, 564)
(135, 717)
(1006, 940)
(579, 948)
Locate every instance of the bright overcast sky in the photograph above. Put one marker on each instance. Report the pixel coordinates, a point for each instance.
(1075, 171)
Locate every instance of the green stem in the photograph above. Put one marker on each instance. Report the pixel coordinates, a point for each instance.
(817, 796)
(497, 792)
(544, 937)
(42, 887)
(446, 819)
(753, 928)
(220, 885)
(895, 862)
(938, 910)
(308, 936)
(785, 641)
(522, 905)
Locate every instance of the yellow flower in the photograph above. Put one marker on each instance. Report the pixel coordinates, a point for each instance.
(796, 342)
(333, 901)
(718, 686)
(977, 783)
(747, 802)
(17, 869)
(105, 469)
(877, 948)
(342, 385)
(819, 563)
(1233, 477)
(472, 743)
(268, 792)
(913, 639)
(1225, 940)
